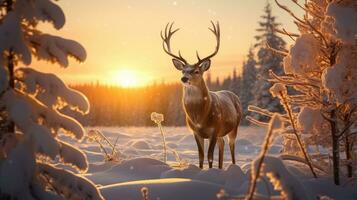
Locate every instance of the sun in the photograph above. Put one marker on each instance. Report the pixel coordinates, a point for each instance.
(126, 78)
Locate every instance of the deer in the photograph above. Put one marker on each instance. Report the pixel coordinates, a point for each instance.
(210, 115)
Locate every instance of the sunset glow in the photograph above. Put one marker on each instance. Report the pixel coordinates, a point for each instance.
(126, 78)
(127, 33)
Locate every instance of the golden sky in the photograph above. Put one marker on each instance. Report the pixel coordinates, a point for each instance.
(123, 44)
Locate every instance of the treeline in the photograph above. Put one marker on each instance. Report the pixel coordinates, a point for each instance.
(118, 106)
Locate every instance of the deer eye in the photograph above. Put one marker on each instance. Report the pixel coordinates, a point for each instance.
(196, 72)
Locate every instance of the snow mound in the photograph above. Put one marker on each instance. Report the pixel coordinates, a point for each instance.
(187, 172)
(141, 144)
(173, 189)
(212, 175)
(130, 170)
(234, 177)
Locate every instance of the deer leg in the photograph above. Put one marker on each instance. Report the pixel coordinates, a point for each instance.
(200, 146)
(221, 152)
(232, 142)
(212, 144)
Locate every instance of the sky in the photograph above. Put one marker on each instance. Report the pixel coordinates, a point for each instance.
(123, 44)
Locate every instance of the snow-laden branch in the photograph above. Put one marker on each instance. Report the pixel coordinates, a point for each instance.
(51, 91)
(25, 110)
(56, 49)
(43, 10)
(69, 185)
(73, 156)
(12, 38)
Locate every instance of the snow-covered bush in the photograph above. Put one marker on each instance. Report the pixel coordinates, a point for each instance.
(321, 66)
(31, 105)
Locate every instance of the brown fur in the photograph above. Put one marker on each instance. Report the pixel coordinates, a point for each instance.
(211, 115)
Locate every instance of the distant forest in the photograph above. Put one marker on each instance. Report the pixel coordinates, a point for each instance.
(118, 106)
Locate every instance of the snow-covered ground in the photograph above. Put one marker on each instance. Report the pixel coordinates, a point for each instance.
(141, 166)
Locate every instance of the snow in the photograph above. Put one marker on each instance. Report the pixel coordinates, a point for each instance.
(17, 171)
(144, 168)
(303, 55)
(282, 179)
(310, 120)
(57, 49)
(173, 189)
(25, 111)
(53, 92)
(71, 186)
(73, 156)
(344, 22)
(341, 78)
(42, 10)
(12, 37)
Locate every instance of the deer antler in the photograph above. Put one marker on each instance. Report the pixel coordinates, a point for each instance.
(216, 31)
(166, 41)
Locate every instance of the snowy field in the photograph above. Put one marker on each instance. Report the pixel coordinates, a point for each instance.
(141, 166)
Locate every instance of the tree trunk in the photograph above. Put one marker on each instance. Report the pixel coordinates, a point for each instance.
(335, 149)
(10, 67)
(348, 155)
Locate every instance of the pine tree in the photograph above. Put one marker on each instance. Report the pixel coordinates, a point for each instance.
(249, 77)
(267, 60)
(235, 85)
(34, 107)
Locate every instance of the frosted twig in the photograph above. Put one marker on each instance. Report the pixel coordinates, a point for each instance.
(292, 122)
(318, 32)
(277, 51)
(115, 144)
(261, 111)
(259, 123)
(163, 142)
(289, 11)
(284, 32)
(272, 124)
(286, 82)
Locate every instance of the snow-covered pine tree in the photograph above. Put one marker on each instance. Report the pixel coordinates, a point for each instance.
(235, 85)
(322, 67)
(249, 77)
(267, 60)
(226, 83)
(31, 103)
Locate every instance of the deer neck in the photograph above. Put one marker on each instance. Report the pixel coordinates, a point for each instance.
(197, 102)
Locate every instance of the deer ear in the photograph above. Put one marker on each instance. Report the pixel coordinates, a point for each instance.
(205, 65)
(178, 64)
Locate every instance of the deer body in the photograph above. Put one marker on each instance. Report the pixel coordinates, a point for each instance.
(210, 115)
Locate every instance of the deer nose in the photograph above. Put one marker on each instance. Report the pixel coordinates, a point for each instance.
(184, 79)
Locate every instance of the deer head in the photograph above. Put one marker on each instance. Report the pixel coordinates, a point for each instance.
(191, 73)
